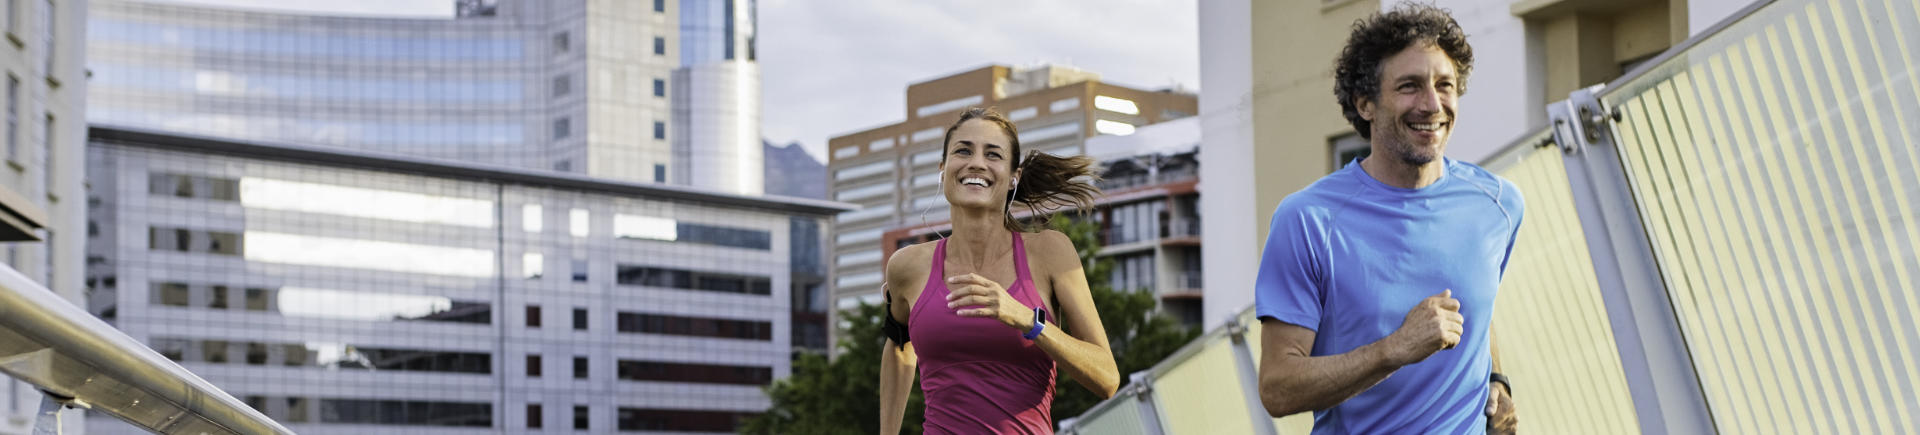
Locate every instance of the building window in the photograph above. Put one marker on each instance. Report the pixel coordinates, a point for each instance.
(219, 300)
(171, 294)
(256, 300)
(533, 316)
(256, 354)
(533, 416)
(343, 356)
(659, 5)
(562, 42)
(213, 351)
(680, 420)
(562, 85)
(581, 417)
(533, 266)
(533, 365)
(693, 280)
(637, 370)
(1349, 147)
(645, 323)
(578, 221)
(297, 410)
(562, 127)
(580, 369)
(580, 319)
(659, 46)
(406, 413)
(659, 88)
(659, 173)
(659, 130)
(579, 270)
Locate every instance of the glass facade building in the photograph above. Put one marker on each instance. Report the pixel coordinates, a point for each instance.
(716, 98)
(348, 292)
(568, 86)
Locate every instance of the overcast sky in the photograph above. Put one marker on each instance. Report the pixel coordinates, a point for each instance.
(830, 67)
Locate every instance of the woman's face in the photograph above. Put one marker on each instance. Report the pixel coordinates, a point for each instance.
(978, 171)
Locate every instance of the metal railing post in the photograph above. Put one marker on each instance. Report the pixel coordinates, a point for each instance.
(1249, 377)
(1653, 354)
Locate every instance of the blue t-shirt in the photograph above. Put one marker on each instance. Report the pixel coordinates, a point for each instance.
(1349, 255)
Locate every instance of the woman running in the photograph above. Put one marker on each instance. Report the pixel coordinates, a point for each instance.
(976, 311)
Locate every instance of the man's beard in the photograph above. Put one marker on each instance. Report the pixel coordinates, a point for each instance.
(1403, 149)
(1413, 155)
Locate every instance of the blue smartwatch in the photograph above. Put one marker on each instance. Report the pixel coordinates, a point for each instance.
(1039, 324)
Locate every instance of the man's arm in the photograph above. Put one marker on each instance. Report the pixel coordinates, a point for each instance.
(1294, 381)
(1501, 418)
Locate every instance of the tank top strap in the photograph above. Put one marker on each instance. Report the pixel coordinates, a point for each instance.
(1020, 261)
(937, 275)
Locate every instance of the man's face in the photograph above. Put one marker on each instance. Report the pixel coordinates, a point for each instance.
(1413, 114)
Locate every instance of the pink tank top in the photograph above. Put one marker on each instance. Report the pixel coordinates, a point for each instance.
(980, 376)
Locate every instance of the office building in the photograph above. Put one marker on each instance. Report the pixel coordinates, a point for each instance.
(342, 291)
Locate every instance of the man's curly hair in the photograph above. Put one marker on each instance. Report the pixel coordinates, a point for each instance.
(1356, 74)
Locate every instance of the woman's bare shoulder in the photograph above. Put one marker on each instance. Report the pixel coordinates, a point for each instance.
(1054, 249)
(909, 264)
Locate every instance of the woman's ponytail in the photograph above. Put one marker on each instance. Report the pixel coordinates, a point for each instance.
(1049, 182)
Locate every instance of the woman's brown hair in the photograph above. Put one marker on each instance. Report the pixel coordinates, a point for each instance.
(1046, 182)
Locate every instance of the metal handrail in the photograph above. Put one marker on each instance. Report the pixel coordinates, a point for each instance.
(81, 361)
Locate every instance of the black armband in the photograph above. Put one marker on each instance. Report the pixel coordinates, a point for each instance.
(892, 328)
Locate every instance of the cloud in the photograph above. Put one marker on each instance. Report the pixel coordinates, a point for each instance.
(834, 67)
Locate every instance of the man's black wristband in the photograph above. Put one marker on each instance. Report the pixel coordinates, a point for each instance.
(1502, 379)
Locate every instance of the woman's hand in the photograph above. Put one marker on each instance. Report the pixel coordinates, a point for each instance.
(972, 295)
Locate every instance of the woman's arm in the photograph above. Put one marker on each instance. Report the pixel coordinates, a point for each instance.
(897, 368)
(899, 364)
(1085, 354)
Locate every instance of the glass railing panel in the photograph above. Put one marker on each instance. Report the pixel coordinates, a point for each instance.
(1774, 168)
(1551, 324)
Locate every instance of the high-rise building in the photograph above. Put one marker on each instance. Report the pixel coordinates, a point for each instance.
(373, 224)
(716, 97)
(341, 291)
(573, 86)
(42, 196)
(891, 171)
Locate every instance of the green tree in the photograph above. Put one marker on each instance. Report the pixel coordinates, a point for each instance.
(842, 395)
(1139, 337)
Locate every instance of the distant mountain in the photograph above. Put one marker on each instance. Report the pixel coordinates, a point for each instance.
(793, 172)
